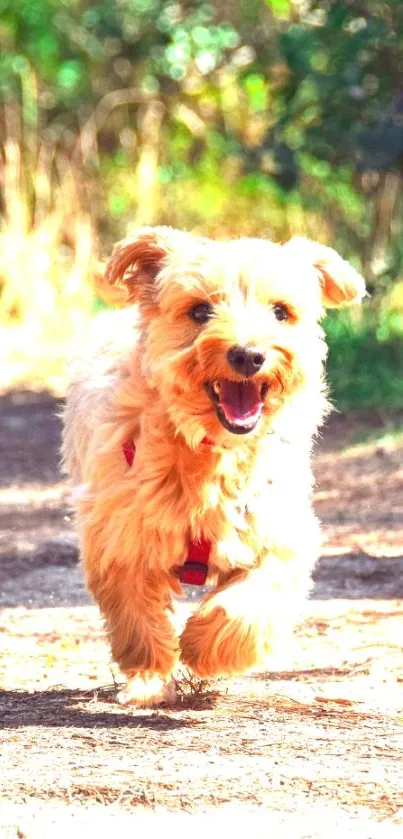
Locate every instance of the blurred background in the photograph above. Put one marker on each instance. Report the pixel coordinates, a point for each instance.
(242, 117)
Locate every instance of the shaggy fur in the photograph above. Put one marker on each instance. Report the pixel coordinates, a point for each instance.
(157, 381)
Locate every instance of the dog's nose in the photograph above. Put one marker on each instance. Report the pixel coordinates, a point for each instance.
(246, 360)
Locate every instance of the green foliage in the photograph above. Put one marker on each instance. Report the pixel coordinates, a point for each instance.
(80, 49)
(267, 116)
(364, 372)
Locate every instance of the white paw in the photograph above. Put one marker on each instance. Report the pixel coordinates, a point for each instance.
(147, 692)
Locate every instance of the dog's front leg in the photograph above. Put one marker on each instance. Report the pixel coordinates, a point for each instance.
(141, 635)
(237, 625)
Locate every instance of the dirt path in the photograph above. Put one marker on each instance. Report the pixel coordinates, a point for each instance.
(309, 744)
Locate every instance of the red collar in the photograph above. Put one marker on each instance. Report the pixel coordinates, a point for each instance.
(195, 568)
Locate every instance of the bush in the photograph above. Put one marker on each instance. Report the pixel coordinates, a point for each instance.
(364, 371)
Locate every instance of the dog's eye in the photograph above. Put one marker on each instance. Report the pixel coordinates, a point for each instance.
(280, 312)
(201, 313)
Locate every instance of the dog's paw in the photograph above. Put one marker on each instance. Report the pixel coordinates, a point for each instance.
(147, 692)
(212, 644)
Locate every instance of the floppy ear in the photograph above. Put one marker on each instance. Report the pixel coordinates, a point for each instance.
(137, 260)
(341, 284)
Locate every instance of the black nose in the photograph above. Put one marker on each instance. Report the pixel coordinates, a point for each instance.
(246, 360)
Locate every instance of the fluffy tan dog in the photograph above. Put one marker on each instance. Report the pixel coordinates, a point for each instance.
(214, 379)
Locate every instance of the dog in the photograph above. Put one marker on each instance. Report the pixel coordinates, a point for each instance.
(187, 438)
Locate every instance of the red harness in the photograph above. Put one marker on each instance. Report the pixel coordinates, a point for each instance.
(195, 568)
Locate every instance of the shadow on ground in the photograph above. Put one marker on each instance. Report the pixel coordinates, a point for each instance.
(60, 708)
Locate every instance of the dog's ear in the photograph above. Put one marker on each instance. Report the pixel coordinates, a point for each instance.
(341, 284)
(136, 262)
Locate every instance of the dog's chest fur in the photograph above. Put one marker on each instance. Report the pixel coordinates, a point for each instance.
(239, 498)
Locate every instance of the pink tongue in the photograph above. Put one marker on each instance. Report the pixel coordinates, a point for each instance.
(240, 401)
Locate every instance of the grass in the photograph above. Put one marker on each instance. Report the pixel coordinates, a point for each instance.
(47, 260)
(389, 438)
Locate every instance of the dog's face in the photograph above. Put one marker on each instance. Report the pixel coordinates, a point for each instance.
(230, 328)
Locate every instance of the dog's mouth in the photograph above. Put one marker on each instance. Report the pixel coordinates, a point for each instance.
(238, 404)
